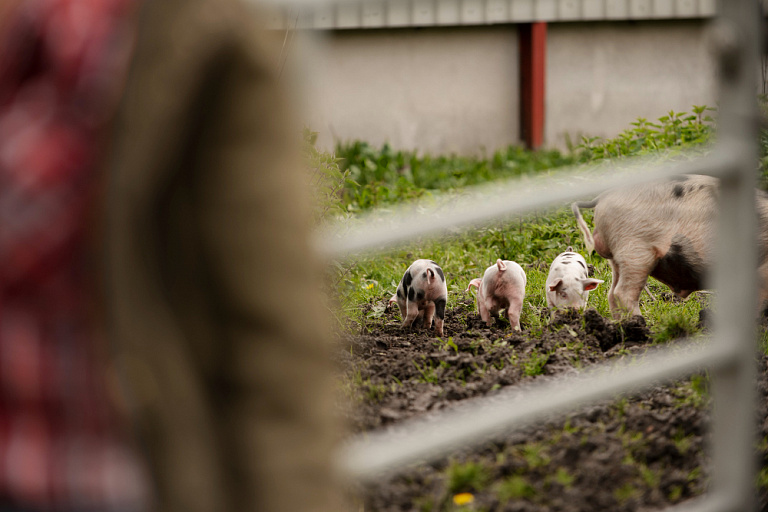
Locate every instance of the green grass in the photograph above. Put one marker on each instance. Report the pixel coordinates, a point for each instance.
(515, 487)
(360, 177)
(467, 477)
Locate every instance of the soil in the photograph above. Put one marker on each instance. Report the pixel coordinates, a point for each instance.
(642, 452)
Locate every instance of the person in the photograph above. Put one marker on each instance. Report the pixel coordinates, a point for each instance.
(162, 244)
(63, 446)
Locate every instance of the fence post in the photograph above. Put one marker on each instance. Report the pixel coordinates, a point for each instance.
(734, 386)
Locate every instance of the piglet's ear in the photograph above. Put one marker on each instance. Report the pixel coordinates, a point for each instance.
(590, 284)
(569, 249)
(554, 286)
(475, 283)
(430, 274)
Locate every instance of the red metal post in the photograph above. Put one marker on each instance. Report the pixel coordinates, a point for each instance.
(533, 60)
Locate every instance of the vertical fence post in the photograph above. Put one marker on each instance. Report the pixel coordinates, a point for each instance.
(734, 389)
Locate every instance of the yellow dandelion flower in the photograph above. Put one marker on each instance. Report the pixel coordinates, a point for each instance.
(463, 498)
(370, 286)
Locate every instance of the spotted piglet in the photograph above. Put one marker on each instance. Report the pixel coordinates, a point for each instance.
(568, 283)
(502, 287)
(422, 293)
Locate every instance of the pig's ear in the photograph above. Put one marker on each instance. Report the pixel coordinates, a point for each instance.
(430, 275)
(475, 282)
(590, 284)
(569, 249)
(557, 284)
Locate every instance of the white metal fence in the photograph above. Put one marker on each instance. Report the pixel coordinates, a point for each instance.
(729, 354)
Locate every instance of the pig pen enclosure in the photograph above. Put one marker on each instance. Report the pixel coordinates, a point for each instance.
(487, 418)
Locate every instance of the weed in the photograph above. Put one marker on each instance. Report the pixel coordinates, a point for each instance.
(374, 392)
(515, 487)
(625, 493)
(682, 442)
(674, 325)
(470, 476)
(428, 373)
(564, 478)
(535, 455)
(694, 392)
(650, 477)
(535, 363)
(762, 478)
(621, 406)
(425, 504)
(672, 131)
(326, 179)
(675, 493)
(448, 344)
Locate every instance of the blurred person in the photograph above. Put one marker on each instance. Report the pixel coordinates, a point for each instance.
(182, 232)
(63, 446)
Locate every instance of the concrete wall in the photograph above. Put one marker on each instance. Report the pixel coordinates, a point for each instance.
(456, 90)
(439, 90)
(603, 76)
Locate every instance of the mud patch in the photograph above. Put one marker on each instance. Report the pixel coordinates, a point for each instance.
(641, 452)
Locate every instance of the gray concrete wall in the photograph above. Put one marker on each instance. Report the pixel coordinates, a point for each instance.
(455, 90)
(439, 90)
(603, 76)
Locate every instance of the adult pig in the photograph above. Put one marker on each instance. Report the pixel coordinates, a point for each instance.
(568, 283)
(422, 293)
(665, 230)
(502, 287)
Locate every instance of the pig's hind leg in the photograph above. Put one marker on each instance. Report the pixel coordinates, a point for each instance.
(513, 313)
(439, 316)
(411, 315)
(492, 309)
(429, 313)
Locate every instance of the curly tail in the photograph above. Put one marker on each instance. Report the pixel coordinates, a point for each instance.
(589, 242)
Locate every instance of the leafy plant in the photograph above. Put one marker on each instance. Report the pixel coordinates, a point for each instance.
(326, 179)
(385, 176)
(534, 365)
(675, 130)
(564, 478)
(515, 487)
(470, 476)
(673, 325)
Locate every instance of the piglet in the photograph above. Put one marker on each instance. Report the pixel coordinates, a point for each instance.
(502, 287)
(568, 283)
(422, 293)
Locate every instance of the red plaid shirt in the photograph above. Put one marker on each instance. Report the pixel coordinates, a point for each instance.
(61, 448)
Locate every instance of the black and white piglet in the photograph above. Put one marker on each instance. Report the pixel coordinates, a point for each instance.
(568, 283)
(422, 292)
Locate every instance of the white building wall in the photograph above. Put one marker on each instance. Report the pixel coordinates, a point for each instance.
(456, 89)
(439, 90)
(603, 76)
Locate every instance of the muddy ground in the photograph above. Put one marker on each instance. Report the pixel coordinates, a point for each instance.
(641, 452)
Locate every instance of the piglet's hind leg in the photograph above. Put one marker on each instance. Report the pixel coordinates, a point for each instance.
(513, 314)
(439, 316)
(413, 312)
(429, 313)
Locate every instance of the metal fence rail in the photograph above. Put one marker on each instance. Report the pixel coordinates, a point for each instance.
(729, 354)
